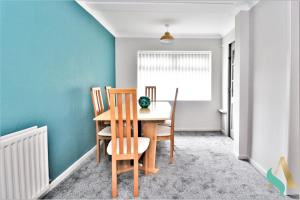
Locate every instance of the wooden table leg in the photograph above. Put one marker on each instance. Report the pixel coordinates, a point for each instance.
(149, 130)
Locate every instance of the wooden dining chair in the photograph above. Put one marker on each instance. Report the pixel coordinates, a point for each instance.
(167, 132)
(107, 95)
(122, 145)
(150, 91)
(103, 133)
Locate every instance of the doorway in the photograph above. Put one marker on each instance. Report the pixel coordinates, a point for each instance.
(231, 58)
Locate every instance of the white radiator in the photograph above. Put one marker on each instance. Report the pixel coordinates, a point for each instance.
(24, 172)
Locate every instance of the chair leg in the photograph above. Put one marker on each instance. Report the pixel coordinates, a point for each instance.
(114, 178)
(98, 150)
(171, 149)
(136, 177)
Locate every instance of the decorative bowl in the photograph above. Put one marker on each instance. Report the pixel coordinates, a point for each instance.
(144, 101)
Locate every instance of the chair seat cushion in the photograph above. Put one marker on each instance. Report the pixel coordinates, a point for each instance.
(105, 131)
(166, 123)
(143, 143)
(163, 130)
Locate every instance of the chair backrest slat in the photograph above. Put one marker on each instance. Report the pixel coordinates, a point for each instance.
(135, 123)
(150, 91)
(128, 122)
(97, 100)
(120, 122)
(113, 125)
(107, 88)
(125, 113)
(173, 111)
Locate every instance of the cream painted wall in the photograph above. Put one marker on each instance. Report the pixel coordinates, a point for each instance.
(191, 115)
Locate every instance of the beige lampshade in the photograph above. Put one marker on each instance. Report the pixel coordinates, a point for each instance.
(167, 38)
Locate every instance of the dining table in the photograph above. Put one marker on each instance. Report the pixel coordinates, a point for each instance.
(148, 118)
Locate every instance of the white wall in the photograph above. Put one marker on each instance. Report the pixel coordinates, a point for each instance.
(294, 126)
(189, 115)
(270, 37)
(274, 95)
(241, 85)
(226, 40)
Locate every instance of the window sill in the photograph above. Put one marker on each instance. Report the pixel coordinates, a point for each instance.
(222, 111)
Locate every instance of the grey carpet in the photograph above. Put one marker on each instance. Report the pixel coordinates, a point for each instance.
(204, 168)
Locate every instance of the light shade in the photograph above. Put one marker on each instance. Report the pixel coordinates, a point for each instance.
(167, 38)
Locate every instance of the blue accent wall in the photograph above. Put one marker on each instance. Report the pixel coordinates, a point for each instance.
(52, 52)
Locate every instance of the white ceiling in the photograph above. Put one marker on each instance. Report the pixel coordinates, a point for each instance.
(146, 18)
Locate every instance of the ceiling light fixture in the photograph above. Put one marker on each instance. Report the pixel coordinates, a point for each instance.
(167, 38)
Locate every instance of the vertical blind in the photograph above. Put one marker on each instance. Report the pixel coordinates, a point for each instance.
(190, 71)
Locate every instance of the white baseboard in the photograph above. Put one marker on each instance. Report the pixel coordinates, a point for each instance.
(243, 157)
(263, 171)
(70, 169)
(257, 166)
(197, 129)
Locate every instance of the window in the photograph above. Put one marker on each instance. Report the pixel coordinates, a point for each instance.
(190, 71)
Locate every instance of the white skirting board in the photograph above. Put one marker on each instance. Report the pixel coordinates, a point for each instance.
(70, 170)
(263, 171)
(243, 157)
(258, 167)
(197, 130)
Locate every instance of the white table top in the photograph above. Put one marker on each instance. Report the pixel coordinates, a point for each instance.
(157, 111)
